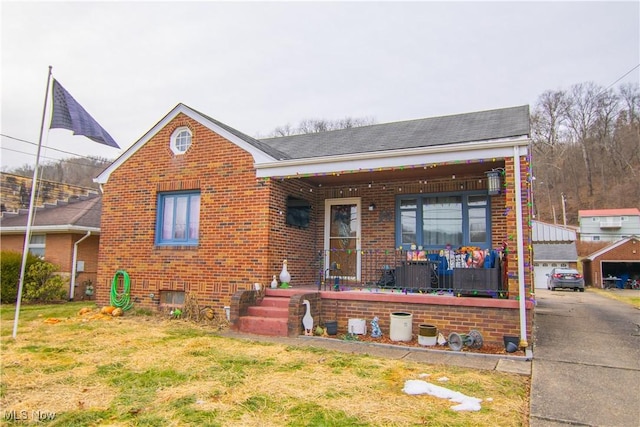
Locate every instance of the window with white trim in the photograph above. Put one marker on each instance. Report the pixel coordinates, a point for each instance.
(37, 244)
(180, 140)
(433, 221)
(178, 221)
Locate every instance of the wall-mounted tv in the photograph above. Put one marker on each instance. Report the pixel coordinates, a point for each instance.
(298, 212)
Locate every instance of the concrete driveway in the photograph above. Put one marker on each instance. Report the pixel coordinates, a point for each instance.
(586, 361)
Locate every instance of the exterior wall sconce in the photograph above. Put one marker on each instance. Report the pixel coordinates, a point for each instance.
(493, 182)
(372, 206)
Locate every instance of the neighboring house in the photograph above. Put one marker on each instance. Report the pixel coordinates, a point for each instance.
(608, 225)
(198, 208)
(618, 261)
(66, 233)
(553, 246)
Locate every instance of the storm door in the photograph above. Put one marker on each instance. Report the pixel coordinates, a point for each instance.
(342, 238)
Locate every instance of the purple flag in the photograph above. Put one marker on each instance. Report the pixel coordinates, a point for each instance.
(68, 114)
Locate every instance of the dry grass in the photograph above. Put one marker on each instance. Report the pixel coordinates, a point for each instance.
(631, 297)
(139, 370)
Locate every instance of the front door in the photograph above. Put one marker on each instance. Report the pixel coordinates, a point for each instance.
(342, 238)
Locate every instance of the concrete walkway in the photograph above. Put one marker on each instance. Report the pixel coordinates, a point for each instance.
(586, 369)
(503, 363)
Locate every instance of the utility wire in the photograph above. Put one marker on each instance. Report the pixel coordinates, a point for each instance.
(34, 144)
(622, 77)
(55, 159)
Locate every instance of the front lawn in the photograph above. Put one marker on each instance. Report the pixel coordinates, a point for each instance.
(144, 370)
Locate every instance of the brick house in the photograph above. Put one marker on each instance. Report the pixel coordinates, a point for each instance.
(64, 233)
(198, 208)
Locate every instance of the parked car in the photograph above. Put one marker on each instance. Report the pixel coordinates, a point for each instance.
(565, 278)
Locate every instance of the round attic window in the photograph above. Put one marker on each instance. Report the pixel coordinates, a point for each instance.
(180, 140)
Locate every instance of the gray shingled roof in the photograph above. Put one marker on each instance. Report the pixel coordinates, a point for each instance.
(81, 213)
(555, 252)
(478, 126)
(273, 152)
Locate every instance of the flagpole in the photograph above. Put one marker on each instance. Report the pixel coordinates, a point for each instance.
(27, 234)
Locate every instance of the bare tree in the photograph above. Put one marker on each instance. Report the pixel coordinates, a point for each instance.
(321, 125)
(586, 145)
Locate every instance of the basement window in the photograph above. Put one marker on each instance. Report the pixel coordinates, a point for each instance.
(171, 298)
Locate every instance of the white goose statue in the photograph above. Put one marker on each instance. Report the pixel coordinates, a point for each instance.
(285, 277)
(307, 320)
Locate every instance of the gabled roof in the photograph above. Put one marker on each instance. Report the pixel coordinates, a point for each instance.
(548, 252)
(444, 130)
(614, 245)
(437, 139)
(543, 232)
(261, 152)
(609, 212)
(75, 215)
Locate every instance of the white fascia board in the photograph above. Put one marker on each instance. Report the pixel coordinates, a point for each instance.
(396, 158)
(50, 229)
(258, 155)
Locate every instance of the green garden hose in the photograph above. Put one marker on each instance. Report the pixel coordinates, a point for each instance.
(122, 300)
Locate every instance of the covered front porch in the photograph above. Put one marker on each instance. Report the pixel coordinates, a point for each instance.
(438, 239)
(424, 228)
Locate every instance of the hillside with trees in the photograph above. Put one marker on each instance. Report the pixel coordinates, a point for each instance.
(586, 149)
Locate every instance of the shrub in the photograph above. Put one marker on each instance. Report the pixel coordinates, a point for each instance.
(10, 263)
(43, 284)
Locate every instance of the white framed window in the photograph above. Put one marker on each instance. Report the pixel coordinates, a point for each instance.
(37, 243)
(180, 140)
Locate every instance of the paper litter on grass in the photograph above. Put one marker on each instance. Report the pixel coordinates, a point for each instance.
(466, 403)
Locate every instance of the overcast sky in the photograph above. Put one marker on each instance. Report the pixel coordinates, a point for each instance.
(255, 66)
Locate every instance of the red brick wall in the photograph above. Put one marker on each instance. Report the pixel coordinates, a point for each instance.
(59, 249)
(299, 246)
(492, 318)
(234, 222)
(509, 218)
(12, 242)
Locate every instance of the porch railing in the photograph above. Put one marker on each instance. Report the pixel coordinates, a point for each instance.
(402, 271)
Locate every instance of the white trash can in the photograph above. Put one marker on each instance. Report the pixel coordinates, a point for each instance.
(401, 326)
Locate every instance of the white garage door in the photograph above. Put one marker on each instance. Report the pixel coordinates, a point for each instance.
(540, 271)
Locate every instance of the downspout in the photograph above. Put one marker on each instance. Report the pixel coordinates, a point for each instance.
(74, 266)
(520, 251)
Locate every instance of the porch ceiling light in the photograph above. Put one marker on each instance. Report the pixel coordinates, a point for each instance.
(493, 182)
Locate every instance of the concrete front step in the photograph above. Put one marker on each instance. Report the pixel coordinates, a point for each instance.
(275, 301)
(264, 326)
(271, 317)
(268, 311)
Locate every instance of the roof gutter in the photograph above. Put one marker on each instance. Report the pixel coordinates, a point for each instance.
(49, 229)
(393, 158)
